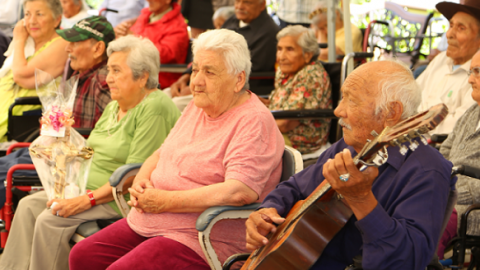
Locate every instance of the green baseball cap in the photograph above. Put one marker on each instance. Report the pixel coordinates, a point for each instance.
(96, 27)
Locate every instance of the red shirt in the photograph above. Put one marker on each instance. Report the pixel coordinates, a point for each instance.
(169, 35)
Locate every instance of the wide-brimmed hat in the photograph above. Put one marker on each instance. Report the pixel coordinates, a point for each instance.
(96, 27)
(448, 9)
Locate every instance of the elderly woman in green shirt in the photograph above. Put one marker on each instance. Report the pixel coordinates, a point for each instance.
(131, 128)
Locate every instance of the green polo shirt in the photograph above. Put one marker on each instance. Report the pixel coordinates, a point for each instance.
(132, 139)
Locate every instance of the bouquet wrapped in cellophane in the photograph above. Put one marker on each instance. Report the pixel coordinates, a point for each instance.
(61, 155)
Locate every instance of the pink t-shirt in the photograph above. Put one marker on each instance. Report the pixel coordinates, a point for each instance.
(242, 144)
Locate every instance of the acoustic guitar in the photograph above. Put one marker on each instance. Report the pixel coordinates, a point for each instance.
(300, 240)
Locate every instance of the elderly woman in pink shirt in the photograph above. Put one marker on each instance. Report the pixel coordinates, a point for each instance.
(224, 150)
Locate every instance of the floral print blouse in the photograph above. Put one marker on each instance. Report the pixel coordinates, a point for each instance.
(309, 88)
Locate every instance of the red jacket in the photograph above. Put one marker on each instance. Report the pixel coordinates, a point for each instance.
(170, 36)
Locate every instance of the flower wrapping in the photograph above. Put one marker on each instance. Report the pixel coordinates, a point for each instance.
(60, 154)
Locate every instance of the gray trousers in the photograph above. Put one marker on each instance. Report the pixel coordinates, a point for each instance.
(40, 240)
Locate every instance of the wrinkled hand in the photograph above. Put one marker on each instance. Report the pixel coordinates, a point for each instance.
(20, 32)
(150, 200)
(69, 207)
(123, 28)
(181, 87)
(358, 188)
(139, 186)
(259, 224)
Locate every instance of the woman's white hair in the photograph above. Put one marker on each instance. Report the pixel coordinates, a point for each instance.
(399, 86)
(53, 5)
(143, 57)
(231, 46)
(306, 38)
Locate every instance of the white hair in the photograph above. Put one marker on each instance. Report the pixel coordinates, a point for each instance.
(399, 86)
(230, 45)
(306, 38)
(224, 12)
(143, 57)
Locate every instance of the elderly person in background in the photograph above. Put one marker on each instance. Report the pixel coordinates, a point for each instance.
(397, 208)
(301, 83)
(165, 26)
(221, 15)
(446, 78)
(461, 148)
(35, 45)
(252, 21)
(87, 50)
(132, 127)
(320, 24)
(237, 163)
(73, 11)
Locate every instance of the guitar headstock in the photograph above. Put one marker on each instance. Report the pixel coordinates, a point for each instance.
(404, 131)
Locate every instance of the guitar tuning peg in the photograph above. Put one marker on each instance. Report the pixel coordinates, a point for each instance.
(422, 137)
(413, 145)
(374, 133)
(403, 150)
(424, 140)
(368, 140)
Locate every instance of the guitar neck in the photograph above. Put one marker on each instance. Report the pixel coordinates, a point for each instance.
(321, 190)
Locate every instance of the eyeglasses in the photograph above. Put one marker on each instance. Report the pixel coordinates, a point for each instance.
(475, 71)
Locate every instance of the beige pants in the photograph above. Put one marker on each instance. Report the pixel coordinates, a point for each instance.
(40, 240)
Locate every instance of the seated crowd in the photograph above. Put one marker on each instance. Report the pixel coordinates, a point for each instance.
(205, 138)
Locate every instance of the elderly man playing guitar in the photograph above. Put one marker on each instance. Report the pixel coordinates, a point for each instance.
(390, 215)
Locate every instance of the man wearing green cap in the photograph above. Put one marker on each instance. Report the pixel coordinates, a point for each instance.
(89, 39)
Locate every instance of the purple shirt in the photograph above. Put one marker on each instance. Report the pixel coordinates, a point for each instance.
(402, 232)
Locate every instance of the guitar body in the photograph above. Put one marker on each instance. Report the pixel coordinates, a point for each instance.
(299, 242)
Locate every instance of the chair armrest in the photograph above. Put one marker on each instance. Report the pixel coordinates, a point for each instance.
(8, 213)
(17, 145)
(466, 170)
(235, 258)
(173, 68)
(203, 221)
(438, 138)
(207, 220)
(117, 180)
(304, 114)
(27, 101)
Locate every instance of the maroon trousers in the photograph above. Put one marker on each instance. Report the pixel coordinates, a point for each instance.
(119, 247)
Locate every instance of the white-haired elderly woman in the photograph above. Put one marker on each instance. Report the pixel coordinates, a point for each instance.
(130, 129)
(73, 11)
(301, 82)
(35, 45)
(224, 150)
